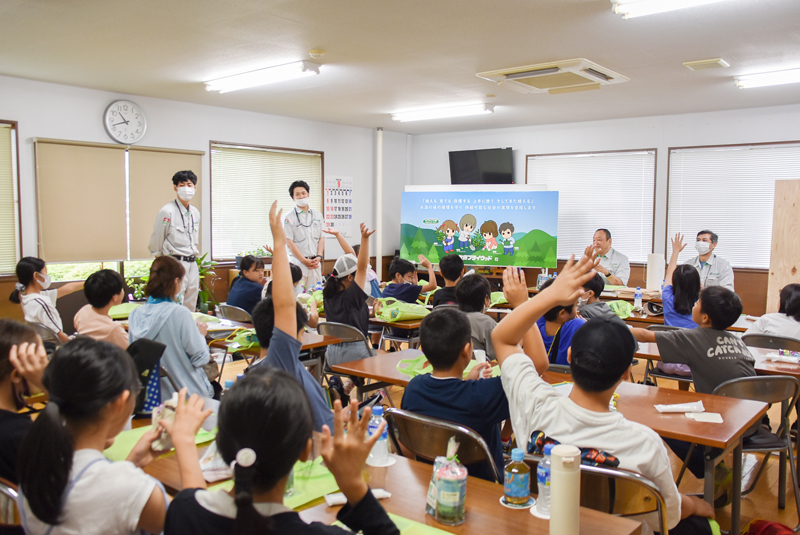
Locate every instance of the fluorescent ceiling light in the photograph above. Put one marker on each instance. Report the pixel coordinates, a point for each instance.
(270, 75)
(639, 8)
(440, 113)
(768, 78)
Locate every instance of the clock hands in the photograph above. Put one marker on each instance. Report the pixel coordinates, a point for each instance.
(124, 121)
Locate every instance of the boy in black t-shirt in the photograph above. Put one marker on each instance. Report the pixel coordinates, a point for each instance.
(452, 268)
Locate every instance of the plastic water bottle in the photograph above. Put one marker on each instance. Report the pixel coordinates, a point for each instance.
(379, 455)
(663, 283)
(555, 274)
(517, 481)
(637, 298)
(543, 478)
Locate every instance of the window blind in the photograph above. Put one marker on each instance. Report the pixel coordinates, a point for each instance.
(245, 181)
(612, 190)
(730, 191)
(9, 231)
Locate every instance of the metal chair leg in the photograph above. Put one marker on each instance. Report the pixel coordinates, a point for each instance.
(685, 464)
(758, 475)
(793, 470)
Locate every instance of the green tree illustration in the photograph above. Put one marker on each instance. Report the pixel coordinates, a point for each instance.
(404, 251)
(433, 254)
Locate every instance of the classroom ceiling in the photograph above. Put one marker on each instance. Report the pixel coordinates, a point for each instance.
(383, 57)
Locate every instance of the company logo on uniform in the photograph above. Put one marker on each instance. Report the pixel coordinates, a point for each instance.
(166, 221)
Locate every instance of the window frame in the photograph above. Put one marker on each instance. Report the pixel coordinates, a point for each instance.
(17, 191)
(654, 150)
(715, 146)
(267, 148)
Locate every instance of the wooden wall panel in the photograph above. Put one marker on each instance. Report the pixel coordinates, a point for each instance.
(785, 255)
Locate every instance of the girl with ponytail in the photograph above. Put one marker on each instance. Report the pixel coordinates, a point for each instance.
(265, 425)
(66, 484)
(37, 299)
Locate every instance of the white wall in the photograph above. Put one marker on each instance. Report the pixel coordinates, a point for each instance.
(64, 112)
(430, 163)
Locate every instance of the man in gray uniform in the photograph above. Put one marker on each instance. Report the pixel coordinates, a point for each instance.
(176, 234)
(614, 266)
(714, 270)
(303, 227)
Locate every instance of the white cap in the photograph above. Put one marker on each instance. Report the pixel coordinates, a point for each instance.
(345, 265)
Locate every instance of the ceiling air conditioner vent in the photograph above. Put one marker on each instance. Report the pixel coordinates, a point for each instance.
(556, 77)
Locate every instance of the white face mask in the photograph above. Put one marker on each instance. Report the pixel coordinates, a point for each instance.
(185, 193)
(302, 203)
(702, 247)
(582, 303)
(45, 284)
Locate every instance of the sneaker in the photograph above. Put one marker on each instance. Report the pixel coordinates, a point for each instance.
(348, 386)
(723, 486)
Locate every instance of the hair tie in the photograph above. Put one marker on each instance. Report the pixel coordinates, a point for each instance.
(245, 458)
(20, 287)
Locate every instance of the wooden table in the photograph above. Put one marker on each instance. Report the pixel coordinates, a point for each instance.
(638, 319)
(408, 481)
(381, 368)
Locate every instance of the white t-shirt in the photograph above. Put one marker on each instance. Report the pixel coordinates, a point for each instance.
(776, 324)
(108, 499)
(537, 406)
(41, 308)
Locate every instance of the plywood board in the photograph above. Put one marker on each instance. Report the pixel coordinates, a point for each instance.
(785, 257)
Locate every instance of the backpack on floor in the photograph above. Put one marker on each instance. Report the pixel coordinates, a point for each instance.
(766, 527)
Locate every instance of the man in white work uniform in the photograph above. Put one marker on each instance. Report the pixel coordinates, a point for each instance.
(614, 266)
(303, 228)
(176, 234)
(714, 270)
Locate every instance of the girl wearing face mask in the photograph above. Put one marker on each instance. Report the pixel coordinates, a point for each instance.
(165, 321)
(37, 299)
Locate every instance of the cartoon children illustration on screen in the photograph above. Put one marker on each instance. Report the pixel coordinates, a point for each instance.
(507, 234)
(449, 228)
(467, 225)
(489, 232)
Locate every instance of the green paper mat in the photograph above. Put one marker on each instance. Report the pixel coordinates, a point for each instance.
(126, 440)
(121, 312)
(311, 482)
(406, 526)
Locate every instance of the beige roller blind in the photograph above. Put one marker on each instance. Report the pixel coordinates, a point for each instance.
(81, 202)
(150, 173)
(8, 217)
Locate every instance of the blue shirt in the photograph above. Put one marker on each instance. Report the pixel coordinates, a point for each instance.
(671, 317)
(245, 294)
(284, 353)
(480, 405)
(408, 293)
(567, 332)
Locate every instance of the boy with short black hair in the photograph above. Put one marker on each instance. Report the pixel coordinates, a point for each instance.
(403, 276)
(280, 322)
(474, 293)
(589, 304)
(478, 404)
(452, 268)
(104, 289)
(557, 327)
(600, 359)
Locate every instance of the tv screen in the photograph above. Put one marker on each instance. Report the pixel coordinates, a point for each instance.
(486, 166)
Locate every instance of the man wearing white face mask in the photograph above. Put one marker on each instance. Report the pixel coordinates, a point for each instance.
(714, 270)
(303, 227)
(176, 234)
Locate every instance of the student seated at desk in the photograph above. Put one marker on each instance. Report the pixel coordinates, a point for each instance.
(589, 305)
(66, 484)
(600, 359)
(474, 297)
(37, 299)
(403, 285)
(713, 354)
(280, 322)
(163, 320)
(785, 322)
(265, 427)
(104, 289)
(246, 289)
(22, 363)
(452, 268)
(557, 327)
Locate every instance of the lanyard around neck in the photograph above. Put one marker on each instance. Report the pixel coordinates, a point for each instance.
(183, 221)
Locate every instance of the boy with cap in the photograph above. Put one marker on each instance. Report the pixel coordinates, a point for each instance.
(600, 358)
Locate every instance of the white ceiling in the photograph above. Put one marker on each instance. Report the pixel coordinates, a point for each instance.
(383, 57)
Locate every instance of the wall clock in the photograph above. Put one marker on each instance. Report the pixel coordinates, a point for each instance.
(124, 121)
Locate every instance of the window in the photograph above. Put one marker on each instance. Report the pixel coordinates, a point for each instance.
(245, 181)
(612, 190)
(9, 198)
(729, 190)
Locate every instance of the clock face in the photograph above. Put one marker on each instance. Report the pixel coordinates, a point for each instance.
(124, 121)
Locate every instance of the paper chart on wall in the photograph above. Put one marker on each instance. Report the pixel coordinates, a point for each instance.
(339, 205)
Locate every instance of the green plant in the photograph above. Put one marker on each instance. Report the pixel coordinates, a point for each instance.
(258, 252)
(137, 288)
(205, 269)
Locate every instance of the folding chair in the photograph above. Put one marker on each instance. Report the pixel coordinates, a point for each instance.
(427, 437)
(387, 335)
(146, 354)
(49, 338)
(230, 312)
(9, 514)
(768, 341)
(651, 371)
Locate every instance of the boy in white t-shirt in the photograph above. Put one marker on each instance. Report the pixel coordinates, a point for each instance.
(600, 357)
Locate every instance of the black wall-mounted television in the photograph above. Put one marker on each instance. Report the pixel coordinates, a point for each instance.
(486, 166)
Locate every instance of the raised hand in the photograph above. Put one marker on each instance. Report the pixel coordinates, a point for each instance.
(677, 244)
(515, 288)
(425, 262)
(365, 232)
(331, 231)
(276, 226)
(29, 360)
(574, 275)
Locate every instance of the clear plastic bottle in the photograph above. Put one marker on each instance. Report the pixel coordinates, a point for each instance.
(543, 478)
(637, 298)
(379, 455)
(517, 480)
(555, 274)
